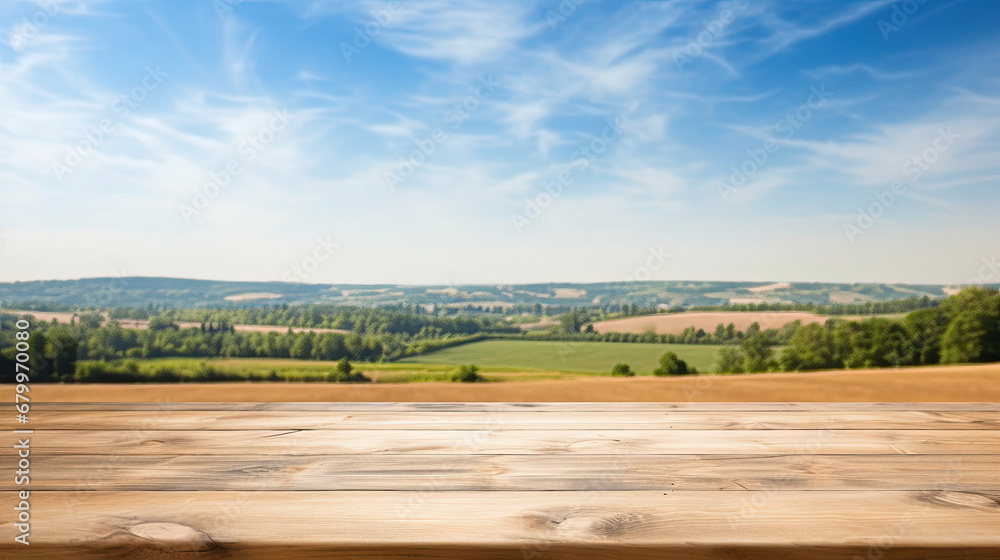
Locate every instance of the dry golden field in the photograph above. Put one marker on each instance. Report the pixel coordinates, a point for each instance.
(973, 383)
(675, 323)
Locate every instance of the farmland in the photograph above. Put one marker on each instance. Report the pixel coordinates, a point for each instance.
(586, 357)
(675, 323)
(397, 345)
(187, 293)
(297, 370)
(973, 383)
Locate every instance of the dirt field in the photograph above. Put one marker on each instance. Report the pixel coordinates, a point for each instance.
(675, 323)
(252, 296)
(143, 325)
(47, 316)
(770, 287)
(978, 383)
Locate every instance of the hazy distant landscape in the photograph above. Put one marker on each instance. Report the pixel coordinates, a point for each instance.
(175, 292)
(199, 331)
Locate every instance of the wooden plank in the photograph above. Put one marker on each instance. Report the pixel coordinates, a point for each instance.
(563, 525)
(516, 442)
(511, 407)
(522, 420)
(488, 473)
(573, 480)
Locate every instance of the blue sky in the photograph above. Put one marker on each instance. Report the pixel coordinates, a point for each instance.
(475, 141)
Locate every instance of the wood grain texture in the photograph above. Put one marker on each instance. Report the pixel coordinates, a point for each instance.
(816, 525)
(532, 481)
(502, 407)
(519, 442)
(488, 473)
(517, 420)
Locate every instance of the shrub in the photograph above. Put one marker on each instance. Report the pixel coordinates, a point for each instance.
(353, 377)
(345, 374)
(622, 370)
(164, 375)
(344, 367)
(671, 364)
(101, 372)
(467, 374)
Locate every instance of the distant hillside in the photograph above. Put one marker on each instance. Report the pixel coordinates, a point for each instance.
(177, 292)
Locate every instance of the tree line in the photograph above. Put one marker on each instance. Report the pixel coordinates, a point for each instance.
(866, 308)
(722, 334)
(55, 348)
(400, 319)
(965, 328)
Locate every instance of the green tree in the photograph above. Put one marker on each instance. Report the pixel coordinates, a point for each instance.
(329, 346)
(874, 343)
(757, 353)
(810, 347)
(38, 364)
(8, 365)
(925, 329)
(973, 332)
(730, 331)
(302, 348)
(91, 320)
(729, 360)
(622, 370)
(61, 348)
(720, 333)
(572, 322)
(671, 364)
(345, 373)
(344, 367)
(161, 322)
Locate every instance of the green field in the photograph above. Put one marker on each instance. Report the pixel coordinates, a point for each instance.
(311, 370)
(583, 357)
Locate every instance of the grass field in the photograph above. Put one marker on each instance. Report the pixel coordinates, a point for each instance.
(582, 357)
(291, 370)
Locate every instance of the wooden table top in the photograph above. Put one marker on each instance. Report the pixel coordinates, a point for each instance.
(515, 480)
